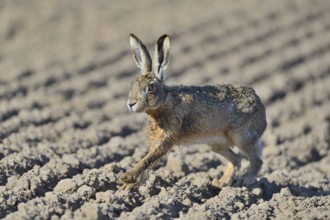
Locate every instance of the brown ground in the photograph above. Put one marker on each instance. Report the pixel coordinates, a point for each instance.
(65, 71)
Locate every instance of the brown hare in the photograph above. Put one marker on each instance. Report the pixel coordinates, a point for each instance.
(221, 116)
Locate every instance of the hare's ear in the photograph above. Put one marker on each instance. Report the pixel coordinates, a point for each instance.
(161, 56)
(140, 54)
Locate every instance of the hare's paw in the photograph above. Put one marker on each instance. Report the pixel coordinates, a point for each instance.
(216, 183)
(128, 177)
(243, 181)
(221, 183)
(132, 180)
(128, 186)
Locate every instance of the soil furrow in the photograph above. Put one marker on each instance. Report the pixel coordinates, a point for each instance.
(66, 134)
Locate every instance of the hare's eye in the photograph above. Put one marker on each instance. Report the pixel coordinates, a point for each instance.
(152, 87)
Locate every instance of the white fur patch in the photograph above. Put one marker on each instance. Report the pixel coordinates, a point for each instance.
(219, 139)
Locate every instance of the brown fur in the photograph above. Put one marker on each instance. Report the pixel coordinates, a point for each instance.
(221, 116)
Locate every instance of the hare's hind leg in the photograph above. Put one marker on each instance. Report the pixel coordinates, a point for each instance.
(253, 153)
(232, 164)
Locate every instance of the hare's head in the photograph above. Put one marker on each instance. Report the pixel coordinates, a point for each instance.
(147, 90)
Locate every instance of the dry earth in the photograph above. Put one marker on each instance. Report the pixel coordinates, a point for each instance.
(66, 134)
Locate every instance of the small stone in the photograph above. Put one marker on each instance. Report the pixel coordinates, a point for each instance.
(170, 200)
(253, 206)
(171, 190)
(279, 177)
(54, 217)
(272, 151)
(70, 159)
(65, 186)
(104, 197)
(86, 191)
(239, 205)
(91, 211)
(144, 190)
(12, 182)
(263, 206)
(187, 202)
(48, 195)
(21, 206)
(285, 192)
(257, 191)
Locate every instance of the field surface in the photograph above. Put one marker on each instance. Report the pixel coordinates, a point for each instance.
(66, 134)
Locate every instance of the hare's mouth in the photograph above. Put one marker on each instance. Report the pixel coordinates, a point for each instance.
(134, 106)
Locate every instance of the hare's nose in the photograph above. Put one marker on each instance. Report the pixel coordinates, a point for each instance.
(131, 104)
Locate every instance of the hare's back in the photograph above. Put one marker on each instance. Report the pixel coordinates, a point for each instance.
(239, 98)
(243, 98)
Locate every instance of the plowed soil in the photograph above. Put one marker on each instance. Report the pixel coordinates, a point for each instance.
(66, 134)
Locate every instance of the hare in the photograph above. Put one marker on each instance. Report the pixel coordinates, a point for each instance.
(221, 116)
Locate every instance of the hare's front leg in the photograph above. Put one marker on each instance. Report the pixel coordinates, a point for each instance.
(137, 175)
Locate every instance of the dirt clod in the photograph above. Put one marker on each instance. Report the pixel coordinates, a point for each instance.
(66, 135)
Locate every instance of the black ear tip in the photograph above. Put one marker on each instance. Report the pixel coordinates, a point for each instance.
(133, 36)
(164, 37)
